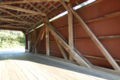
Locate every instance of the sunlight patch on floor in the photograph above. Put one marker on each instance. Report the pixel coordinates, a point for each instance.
(36, 71)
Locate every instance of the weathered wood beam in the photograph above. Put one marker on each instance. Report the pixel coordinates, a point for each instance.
(20, 15)
(27, 1)
(100, 37)
(93, 37)
(34, 26)
(62, 50)
(111, 15)
(19, 25)
(21, 9)
(70, 31)
(9, 25)
(13, 20)
(26, 41)
(13, 15)
(80, 60)
(12, 27)
(38, 11)
(61, 9)
(34, 36)
(100, 58)
(35, 7)
(47, 42)
(31, 42)
(40, 36)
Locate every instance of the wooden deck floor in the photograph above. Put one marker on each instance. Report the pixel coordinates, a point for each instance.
(33, 67)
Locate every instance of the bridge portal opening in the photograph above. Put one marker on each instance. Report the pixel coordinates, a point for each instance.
(12, 42)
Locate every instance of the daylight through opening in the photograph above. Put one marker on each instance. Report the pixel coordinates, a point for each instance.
(12, 42)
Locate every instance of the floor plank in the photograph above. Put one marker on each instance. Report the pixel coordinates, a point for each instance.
(34, 67)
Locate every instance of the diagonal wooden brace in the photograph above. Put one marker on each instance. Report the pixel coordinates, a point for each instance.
(62, 50)
(40, 36)
(93, 37)
(80, 60)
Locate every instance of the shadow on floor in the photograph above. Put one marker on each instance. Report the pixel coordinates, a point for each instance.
(56, 63)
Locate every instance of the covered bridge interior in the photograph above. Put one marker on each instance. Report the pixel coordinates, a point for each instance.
(87, 35)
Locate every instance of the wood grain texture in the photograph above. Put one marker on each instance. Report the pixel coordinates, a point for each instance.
(39, 67)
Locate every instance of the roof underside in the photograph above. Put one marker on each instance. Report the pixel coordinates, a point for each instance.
(25, 14)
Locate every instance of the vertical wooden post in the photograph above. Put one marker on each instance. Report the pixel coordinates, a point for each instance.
(26, 41)
(29, 45)
(80, 60)
(47, 43)
(70, 31)
(40, 37)
(34, 40)
(31, 41)
(93, 37)
(97, 42)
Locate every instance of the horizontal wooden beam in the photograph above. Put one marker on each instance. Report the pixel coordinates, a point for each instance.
(27, 1)
(93, 37)
(20, 15)
(37, 9)
(23, 25)
(6, 27)
(13, 20)
(80, 60)
(21, 9)
(13, 15)
(104, 17)
(100, 37)
(100, 58)
(96, 41)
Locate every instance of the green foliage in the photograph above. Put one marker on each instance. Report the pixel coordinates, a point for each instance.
(10, 39)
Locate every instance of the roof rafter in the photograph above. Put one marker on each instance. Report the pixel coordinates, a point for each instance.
(26, 1)
(21, 9)
(37, 10)
(21, 15)
(35, 7)
(23, 25)
(10, 26)
(13, 20)
(13, 15)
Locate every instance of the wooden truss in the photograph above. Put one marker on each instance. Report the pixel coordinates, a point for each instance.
(40, 17)
(19, 12)
(93, 37)
(69, 47)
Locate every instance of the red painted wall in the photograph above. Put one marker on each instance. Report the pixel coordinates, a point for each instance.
(110, 26)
